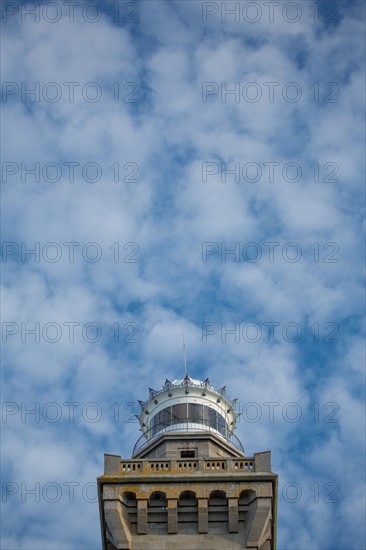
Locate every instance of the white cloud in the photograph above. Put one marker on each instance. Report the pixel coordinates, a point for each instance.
(169, 213)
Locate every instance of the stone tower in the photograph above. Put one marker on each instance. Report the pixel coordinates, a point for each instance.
(188, 484)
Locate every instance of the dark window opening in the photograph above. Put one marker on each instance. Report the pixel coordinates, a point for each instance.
(188, 454)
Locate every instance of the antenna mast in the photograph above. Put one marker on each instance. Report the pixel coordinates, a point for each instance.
(185, 357)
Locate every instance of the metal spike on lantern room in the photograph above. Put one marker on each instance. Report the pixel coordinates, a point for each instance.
(189, 484)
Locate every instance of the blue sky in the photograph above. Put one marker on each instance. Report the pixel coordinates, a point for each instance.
(140, 236)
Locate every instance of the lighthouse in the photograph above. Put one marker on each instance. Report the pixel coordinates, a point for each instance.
(187, 407)
(188, 484)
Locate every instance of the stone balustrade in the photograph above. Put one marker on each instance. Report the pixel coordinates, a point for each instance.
(176, 466)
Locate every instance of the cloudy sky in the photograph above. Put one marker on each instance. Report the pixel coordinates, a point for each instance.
(182, 167)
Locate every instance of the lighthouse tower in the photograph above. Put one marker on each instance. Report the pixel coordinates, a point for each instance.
(189, 484)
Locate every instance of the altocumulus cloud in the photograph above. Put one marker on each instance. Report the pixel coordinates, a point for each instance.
(177, 169)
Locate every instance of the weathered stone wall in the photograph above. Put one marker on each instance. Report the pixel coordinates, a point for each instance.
(211, 503)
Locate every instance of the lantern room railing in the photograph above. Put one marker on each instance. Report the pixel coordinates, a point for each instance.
(188, 425)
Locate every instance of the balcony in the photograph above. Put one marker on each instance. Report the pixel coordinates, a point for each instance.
(190, 426)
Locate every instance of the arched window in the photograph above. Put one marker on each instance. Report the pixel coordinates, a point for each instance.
(157, 517)
(157, 496)
(218, 512)
(129, 498)
(218, 497)
(187, 513)
(245, 499)
(129, 509)
(247, 496)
